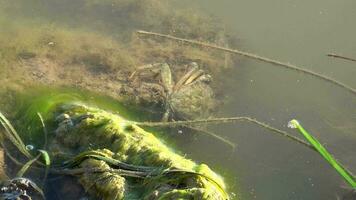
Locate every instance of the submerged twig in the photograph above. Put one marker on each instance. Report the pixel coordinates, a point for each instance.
(254, 56)
(225, 120)
(341, 57)
(214, 135)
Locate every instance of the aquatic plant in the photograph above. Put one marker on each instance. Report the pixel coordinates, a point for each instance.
(347, 175)
(11, 134)
(24, 183)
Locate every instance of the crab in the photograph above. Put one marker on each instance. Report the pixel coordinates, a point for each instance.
(191, 97)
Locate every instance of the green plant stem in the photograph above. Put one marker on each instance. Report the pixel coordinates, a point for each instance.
(349, 178)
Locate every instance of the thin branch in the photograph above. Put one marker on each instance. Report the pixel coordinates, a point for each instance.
(214, 135)
(341, 57)
(225, 120)
(254, 56)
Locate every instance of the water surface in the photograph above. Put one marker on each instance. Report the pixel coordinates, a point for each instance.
(265, 166)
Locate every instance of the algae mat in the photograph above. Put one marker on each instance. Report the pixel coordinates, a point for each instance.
(120, 160)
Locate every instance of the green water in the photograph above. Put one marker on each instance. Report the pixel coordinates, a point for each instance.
(265, 166)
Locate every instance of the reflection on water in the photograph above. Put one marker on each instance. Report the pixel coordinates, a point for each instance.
(266, 166)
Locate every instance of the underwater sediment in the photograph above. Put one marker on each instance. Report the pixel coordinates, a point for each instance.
(96, 52)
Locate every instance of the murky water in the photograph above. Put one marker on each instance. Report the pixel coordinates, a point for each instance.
(266, 166)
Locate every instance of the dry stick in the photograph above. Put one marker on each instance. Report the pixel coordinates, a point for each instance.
(254, 56)
(226, 120)
(342, 57)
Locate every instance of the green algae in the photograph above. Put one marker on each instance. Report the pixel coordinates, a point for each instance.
(115, 144)
(118, 139)
(24, 106)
